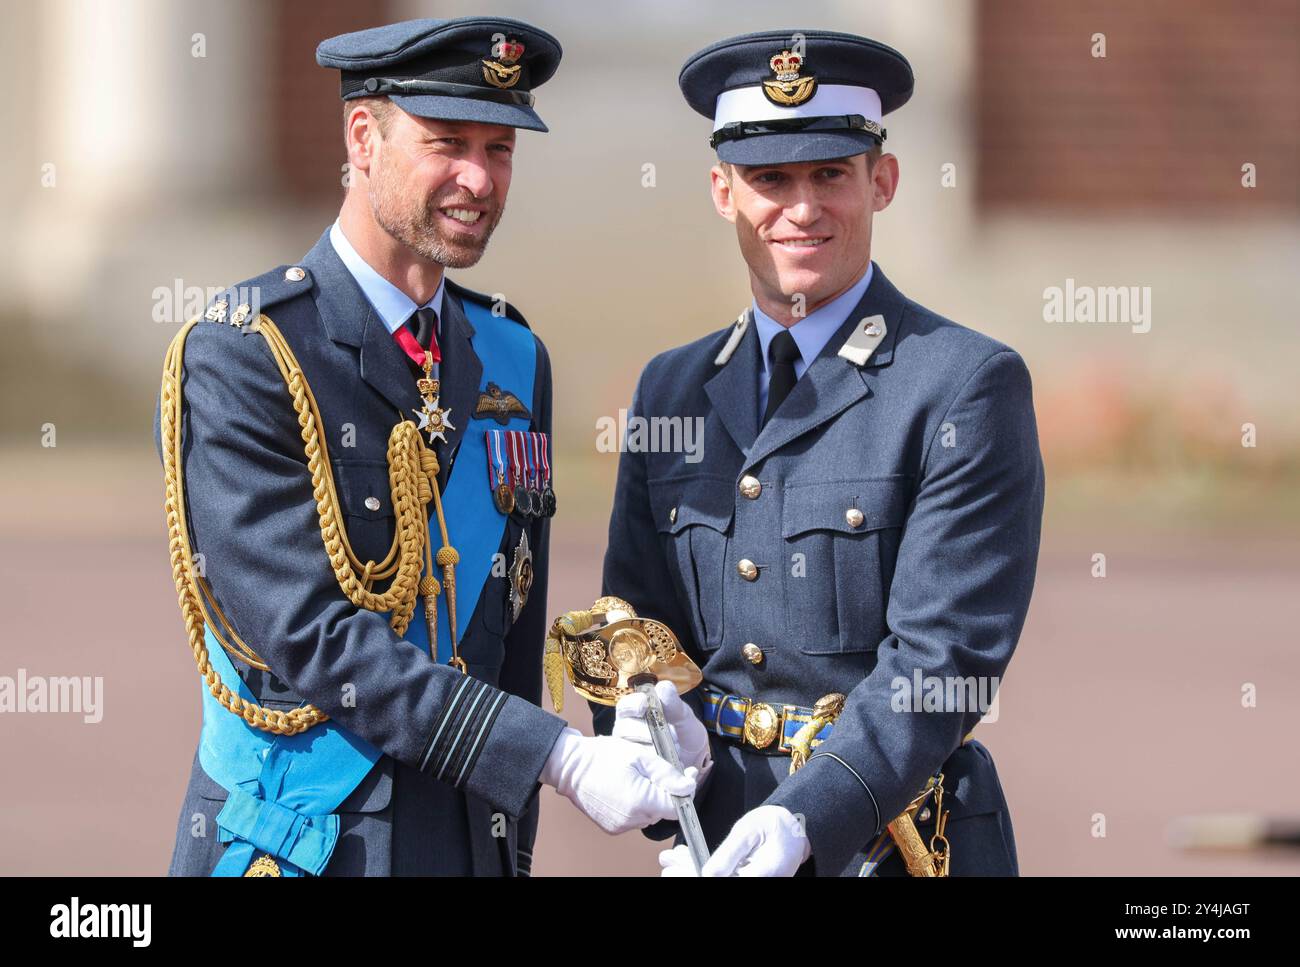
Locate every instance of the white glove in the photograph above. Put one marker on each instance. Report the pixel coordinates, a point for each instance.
(677, 862)
(620, 785)
(766, 841)
(688, 732)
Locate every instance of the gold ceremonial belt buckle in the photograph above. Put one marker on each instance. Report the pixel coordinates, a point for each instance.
(765, 723)
(762, 725)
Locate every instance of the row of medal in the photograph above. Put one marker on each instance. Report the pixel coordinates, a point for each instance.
(519, 472)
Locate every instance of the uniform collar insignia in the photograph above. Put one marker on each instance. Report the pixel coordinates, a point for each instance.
(737, 333)
(864, 339)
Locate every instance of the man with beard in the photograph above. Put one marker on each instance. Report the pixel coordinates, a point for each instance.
(365, 605)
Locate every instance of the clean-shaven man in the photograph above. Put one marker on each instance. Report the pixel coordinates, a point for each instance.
(865, 516)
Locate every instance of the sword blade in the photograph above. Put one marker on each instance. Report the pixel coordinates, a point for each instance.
(687, 818)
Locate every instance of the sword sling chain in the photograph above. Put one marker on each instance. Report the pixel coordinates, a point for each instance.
(919, 859)
(413, 480)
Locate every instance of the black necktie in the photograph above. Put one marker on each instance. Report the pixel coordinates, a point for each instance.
(423, 326)
(783, 353)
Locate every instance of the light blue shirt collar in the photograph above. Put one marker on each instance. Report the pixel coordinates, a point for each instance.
(394, 306)
(812, 332)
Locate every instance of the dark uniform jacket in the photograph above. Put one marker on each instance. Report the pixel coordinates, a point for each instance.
(933, 443)
(253, 518)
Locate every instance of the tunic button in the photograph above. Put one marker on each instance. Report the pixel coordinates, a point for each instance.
(672, 516)
(372, 503)
(750, 487)
(854, 517)
(924, 817)
(748, 569)
(752, 653)
(295, 274)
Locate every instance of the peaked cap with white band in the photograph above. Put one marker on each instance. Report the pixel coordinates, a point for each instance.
(786, 96)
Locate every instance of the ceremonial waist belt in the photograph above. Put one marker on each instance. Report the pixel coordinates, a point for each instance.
(781, 729)
(766, 727)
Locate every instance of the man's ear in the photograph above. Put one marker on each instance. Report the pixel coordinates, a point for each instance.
(884, 181)
(720, 186)
(362, 138)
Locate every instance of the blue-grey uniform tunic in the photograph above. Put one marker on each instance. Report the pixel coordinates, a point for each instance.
(932, 444)
(253, 518)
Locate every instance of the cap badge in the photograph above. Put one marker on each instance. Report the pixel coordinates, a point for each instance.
(789, 89)
(502, 71)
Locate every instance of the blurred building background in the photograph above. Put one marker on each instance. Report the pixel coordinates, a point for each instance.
(162, 147)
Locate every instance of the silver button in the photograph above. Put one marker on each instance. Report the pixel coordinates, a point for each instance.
(750, 487)
(924, 816)
(294, 274)
(854, 517)
(372, 503)
(672, 516)
(748, 569)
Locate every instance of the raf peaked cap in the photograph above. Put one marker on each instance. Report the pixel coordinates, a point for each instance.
(470, 69)
(786, 96)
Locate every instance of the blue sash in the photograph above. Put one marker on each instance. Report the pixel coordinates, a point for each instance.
(473, 521)
(283, 790)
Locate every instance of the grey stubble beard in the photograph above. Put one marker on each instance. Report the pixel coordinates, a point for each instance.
(420, 232)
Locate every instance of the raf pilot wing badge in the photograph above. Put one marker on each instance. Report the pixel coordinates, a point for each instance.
(500, 405)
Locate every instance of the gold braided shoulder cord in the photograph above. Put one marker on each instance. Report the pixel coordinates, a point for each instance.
(413, 481)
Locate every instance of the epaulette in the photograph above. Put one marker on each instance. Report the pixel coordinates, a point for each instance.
(241, 304)
(488, 301)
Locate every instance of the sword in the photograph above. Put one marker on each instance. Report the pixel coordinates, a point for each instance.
(662, 737)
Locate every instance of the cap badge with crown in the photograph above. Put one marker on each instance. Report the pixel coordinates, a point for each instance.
(789, 89)
(503, 72)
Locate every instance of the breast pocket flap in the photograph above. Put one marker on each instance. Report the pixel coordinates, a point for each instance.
(682, 502)
(845, 506)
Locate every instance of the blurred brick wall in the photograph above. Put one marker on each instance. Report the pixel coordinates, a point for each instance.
(306, 113)
(1188, 92)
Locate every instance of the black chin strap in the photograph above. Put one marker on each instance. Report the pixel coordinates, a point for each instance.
(392, 85)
